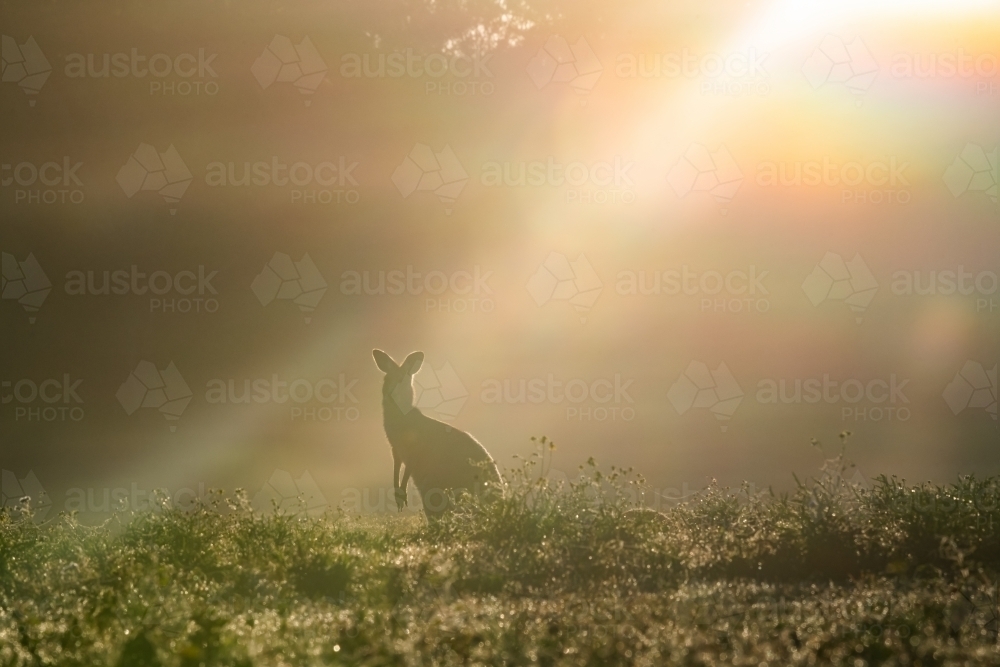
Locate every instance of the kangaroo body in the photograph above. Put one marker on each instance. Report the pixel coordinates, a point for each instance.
(439, 457)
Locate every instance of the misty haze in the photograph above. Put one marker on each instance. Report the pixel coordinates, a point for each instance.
(499, 332)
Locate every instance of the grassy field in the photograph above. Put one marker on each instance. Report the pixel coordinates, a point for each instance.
(550, 574)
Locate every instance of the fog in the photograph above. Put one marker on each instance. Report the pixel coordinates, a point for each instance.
(684, 239)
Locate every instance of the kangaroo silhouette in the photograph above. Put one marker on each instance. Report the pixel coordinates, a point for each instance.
(439, 457)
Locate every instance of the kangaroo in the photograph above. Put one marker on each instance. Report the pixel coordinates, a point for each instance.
(439, 457)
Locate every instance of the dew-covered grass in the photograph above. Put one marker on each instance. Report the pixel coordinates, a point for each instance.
(547, 573)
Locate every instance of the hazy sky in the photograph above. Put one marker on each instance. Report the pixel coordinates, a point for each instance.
(684, 240)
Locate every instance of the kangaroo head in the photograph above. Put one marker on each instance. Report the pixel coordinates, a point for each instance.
(398, 383)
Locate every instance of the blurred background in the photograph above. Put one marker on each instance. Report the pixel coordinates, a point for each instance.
(686, 239)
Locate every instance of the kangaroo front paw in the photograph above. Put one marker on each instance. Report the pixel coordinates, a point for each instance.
(400, 499)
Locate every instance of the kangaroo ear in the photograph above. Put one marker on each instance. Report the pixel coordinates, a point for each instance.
(412, 363)
(384, 361)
